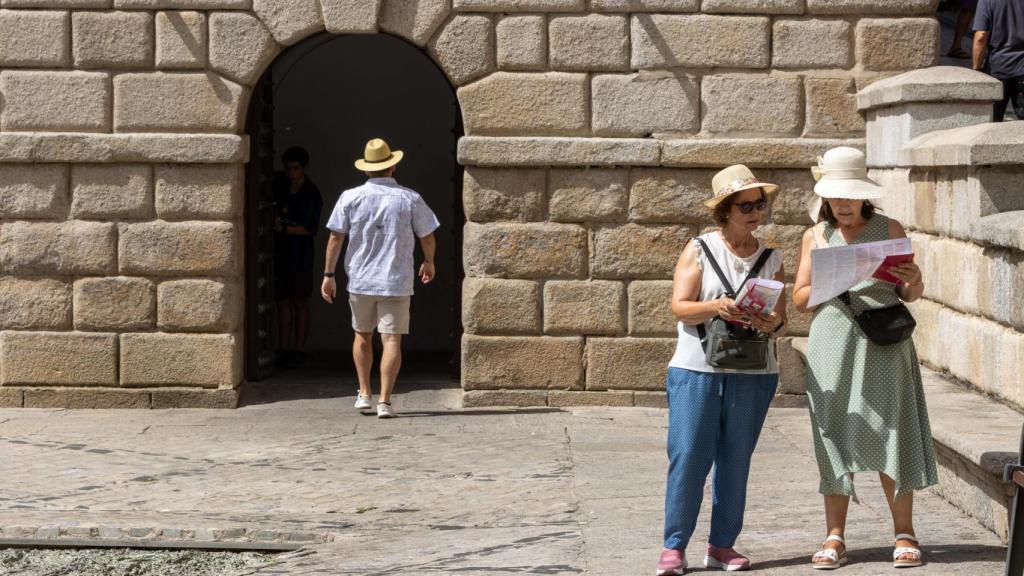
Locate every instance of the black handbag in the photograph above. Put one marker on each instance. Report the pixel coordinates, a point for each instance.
(725, 344)
(883, 326)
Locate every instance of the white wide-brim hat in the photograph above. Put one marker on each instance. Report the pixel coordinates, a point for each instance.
(842, 173)
(378, 156)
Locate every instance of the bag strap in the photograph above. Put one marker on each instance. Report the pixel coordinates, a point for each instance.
(754, 271)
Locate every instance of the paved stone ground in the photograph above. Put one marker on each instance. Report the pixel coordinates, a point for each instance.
(437, 491)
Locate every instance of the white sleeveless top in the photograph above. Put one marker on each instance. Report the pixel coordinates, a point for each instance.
(689, 353)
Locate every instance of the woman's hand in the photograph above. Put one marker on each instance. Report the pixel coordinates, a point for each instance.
(908, 273)
(727, 309)
(765, 323)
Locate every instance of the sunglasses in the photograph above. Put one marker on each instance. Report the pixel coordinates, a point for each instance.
(748, 207)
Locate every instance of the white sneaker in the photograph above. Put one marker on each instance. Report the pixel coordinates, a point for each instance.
(364, 402)
(385, 410)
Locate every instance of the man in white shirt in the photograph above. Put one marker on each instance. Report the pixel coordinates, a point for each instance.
(381, 220)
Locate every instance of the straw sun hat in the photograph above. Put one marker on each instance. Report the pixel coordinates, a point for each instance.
(378, 156)
(735, 179)
(842, 173)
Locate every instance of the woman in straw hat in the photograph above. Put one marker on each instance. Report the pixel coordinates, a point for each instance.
(716, 413)
(866, 400)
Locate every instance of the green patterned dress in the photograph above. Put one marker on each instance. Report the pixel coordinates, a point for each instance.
(866, 401)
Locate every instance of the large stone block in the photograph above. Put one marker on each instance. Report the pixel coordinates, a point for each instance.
(176, 102)
(55, 101)
(491, 195)
(897, 44)
(111, 191)
(832, 107)
(645, 103)
(700, 41)
(588, 195)
(754, 152)
(88, 148)
(526, 104)
(12, 398)
(224, 399)
(157, 359)
(796, 191)
(863, 7)
(635, 251)
(290, 20)
(197, 192)
(561, 398)
(811, 44)
(518, 151)
(55, 3)
(65, 248)
(414, 20)
(507, 398)
(181, 40)
(86, 398)
(58, 358)
(464, 48)
(645, 5)
(113, 39)
(33, 191)
(584, 307)
(792, 371)
(628, 363)
(34, 38)
(115, 303)
(494, 306)
(241, 46)
(494, 362)
(752, 105)
(784, 238)
(753, 6)
(350, 16)
(198, 306)
(669, 195)
(178, 248)
(591, 42)
(519, 5)
(180, 4)
(650, 309)
(525, 250)
(34, 304)
(522, 42)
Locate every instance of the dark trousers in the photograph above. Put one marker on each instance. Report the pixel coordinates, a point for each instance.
(1013, 91)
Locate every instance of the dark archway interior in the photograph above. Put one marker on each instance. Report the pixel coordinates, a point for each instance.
(330, 94)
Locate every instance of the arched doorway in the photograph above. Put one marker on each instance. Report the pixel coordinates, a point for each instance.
(330, 94)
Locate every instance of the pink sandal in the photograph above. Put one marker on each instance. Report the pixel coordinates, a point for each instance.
(727, 559)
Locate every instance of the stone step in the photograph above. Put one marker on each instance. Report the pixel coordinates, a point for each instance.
(975, 437)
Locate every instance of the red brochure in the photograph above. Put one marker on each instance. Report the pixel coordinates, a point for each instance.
(882, 273)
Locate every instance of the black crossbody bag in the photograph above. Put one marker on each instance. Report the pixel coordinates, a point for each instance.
(883, 326)
(725, 344)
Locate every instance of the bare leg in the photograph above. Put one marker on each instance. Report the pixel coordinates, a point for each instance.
(301, 323)
(390, 363)
(902, 509)
(284, 324)
(835, 520)
(362, 354)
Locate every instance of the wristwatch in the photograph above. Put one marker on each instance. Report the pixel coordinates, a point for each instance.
(328, 274)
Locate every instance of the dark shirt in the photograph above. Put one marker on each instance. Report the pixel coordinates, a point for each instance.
(295, 252)
(1004, 21)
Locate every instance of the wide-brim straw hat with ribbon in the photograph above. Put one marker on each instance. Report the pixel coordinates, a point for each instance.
(378, 156)
(842, 173)
(735, 179)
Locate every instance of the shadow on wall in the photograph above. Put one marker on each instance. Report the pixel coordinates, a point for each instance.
(331, 95)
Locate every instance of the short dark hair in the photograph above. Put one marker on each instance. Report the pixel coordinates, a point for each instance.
(721, 213)
(867, 210)
(296, 154)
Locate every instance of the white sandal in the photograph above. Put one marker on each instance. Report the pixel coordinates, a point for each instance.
(901, 550)
(835, 559)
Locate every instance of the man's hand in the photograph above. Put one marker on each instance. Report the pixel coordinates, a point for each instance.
(329, 290)
(427, 272)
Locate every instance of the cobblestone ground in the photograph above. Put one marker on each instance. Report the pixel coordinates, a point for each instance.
(436, 491)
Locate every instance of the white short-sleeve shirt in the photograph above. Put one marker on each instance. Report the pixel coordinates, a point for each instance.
(689, 352)
(382, 221)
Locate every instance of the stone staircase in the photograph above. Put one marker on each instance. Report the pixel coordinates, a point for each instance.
(956, 182)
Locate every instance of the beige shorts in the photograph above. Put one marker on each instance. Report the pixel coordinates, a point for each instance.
(389, 314)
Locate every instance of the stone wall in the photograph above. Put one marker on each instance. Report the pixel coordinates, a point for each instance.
(592, 130)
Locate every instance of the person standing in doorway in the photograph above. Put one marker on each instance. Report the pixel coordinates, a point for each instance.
(999, 50)
(297, 204)
(963, 22)
(381, 220)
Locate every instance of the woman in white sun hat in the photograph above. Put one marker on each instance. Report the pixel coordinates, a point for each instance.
(866, 399)
(717, 405)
